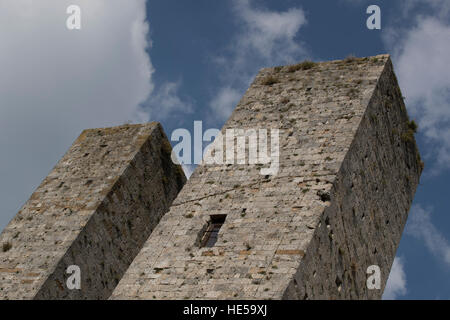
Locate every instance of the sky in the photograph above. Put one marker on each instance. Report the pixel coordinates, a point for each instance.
(179, 61)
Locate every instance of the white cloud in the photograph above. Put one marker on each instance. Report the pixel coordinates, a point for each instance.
(165, 101)
(424, 69)
(422, 61)
(265, 38)
(420, 226)
(225, 101)
(441, 7)
(270, 34)
(396, 284)
(55, 82)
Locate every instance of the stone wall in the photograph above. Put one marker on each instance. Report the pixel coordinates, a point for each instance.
(349, 167)
(95, 210)
(368, 206)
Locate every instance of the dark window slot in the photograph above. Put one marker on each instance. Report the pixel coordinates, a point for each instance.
(211, 234)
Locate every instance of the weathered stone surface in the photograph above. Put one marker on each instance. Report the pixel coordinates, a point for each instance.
(95, 210)
(349, 167)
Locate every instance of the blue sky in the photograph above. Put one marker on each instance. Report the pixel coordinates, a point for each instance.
(180, 61)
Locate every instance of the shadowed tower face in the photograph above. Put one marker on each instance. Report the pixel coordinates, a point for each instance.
(348, 170)
(93, 213)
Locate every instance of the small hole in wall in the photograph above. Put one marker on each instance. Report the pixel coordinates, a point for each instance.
(211, 233)
(6, 246)
(338, 283)
(327, 222)
(324, 195)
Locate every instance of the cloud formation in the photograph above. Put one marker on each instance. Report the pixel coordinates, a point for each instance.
(265, 38)
(441, 7)
(225, 101)
(165, 100)
(422, 63)
(269, 34)
(396, 284)
(421, 227)
(55, 82)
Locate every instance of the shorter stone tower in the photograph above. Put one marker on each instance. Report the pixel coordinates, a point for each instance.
(94, 210)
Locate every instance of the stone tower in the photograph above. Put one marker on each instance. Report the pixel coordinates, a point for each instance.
(94, 210)
(348, 170)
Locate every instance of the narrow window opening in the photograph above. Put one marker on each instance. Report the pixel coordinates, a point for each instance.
(211, 234)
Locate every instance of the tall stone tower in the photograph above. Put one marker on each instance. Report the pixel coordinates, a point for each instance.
(94, 211)
(348, 170)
